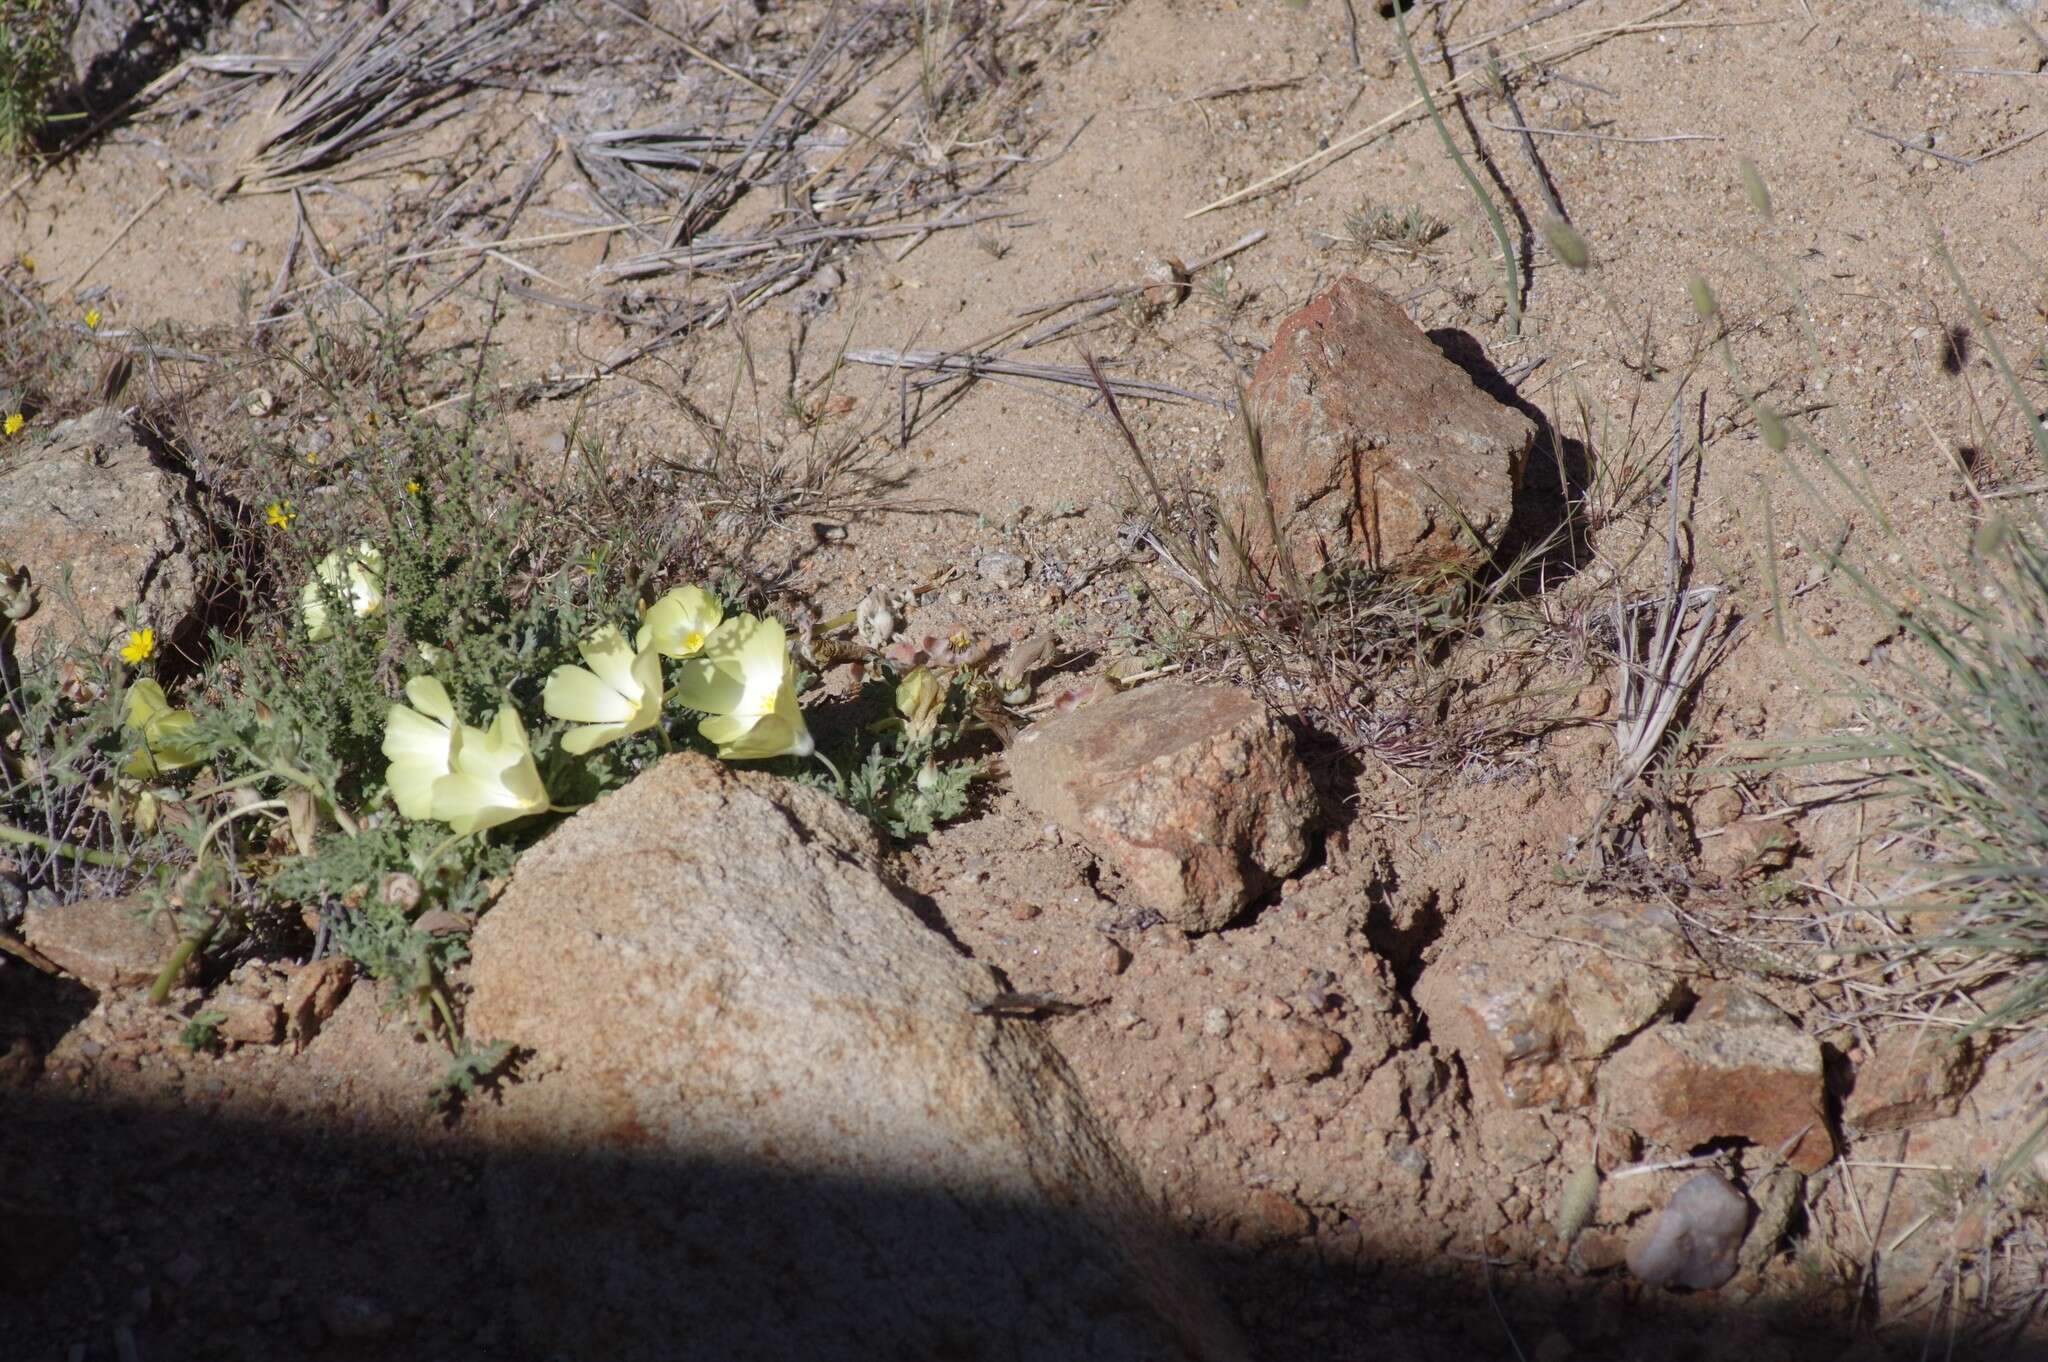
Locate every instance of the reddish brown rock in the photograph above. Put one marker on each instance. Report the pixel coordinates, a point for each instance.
(316, 989)
(1297, 1050)
(103, 943)
(1914, 1076)
(1681, 1086)
(1378, 448)
(1275, 1217)
(250, 1018)
(1192, 793)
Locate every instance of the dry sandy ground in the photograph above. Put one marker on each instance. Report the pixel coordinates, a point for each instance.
(1310, 1199)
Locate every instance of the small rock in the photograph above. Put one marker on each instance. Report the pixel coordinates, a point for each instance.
(21, 1066)
(1216, 1022)
(1592, 701)
(1914, 1076)
(1024, 912)
(1298, 1050)
(1193, 793)
(1778, 1197)
(1717, 808)
(1752, 848)
(1515, 1141)
(1682, 1086)
(1113, 957)
(105, 944)
(1694, 1240)
(355, 1317)
(316, 989)
(1736, 1005)
(1598, 1251)
(1004, 570)
(1377, 445)
(1275, 1216)
(250, 1020)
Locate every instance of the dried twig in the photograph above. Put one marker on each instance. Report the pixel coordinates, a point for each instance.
(1070, 375)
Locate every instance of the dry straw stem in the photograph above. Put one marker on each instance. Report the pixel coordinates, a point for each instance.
(1069, 375)
(1550, 50)
(365, 89)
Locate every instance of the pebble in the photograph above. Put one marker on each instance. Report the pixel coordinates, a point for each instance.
(1000, 569)
(1024, 912)
(1114, 958)
(238, 245)
(1216, 1022)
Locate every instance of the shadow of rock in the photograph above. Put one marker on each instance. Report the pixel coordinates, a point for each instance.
(1552, 485)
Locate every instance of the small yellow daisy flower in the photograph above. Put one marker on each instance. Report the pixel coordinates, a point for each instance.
(412, 489)
(28, 262)
(312, 457)
(280, 514)
(12, 425)
(140, 646)
(92, 320)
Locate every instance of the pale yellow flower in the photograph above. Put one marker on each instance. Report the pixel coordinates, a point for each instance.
(745, 682)
(360, 580)
(139, 647)
(421, 745)
(469, 778)
(166, 733)
(679, 624)
(12, 425)
(92, 320)
(920, 698)
(618, 694)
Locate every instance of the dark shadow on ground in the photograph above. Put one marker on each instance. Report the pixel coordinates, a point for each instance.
(1553, 484)
(122, 48)
(205, 1236)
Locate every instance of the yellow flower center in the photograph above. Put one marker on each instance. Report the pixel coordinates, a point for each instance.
(693, 640)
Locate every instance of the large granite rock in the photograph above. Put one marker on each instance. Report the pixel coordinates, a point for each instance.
(762, 1118)
(95, 503)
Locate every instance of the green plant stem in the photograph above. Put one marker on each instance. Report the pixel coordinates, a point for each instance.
(23, 837)
(180, 955)
(1500, 228)
(837, 779)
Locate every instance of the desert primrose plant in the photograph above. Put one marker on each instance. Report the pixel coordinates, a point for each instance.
(433, 657)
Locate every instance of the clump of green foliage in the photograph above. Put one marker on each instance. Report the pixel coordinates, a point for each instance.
(32, 60)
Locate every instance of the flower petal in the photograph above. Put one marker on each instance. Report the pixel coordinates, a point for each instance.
(681, 622)
(430, 697)
(412, 736)
(583, 697)
(609, 656)
(704, 686)
(580, 741)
